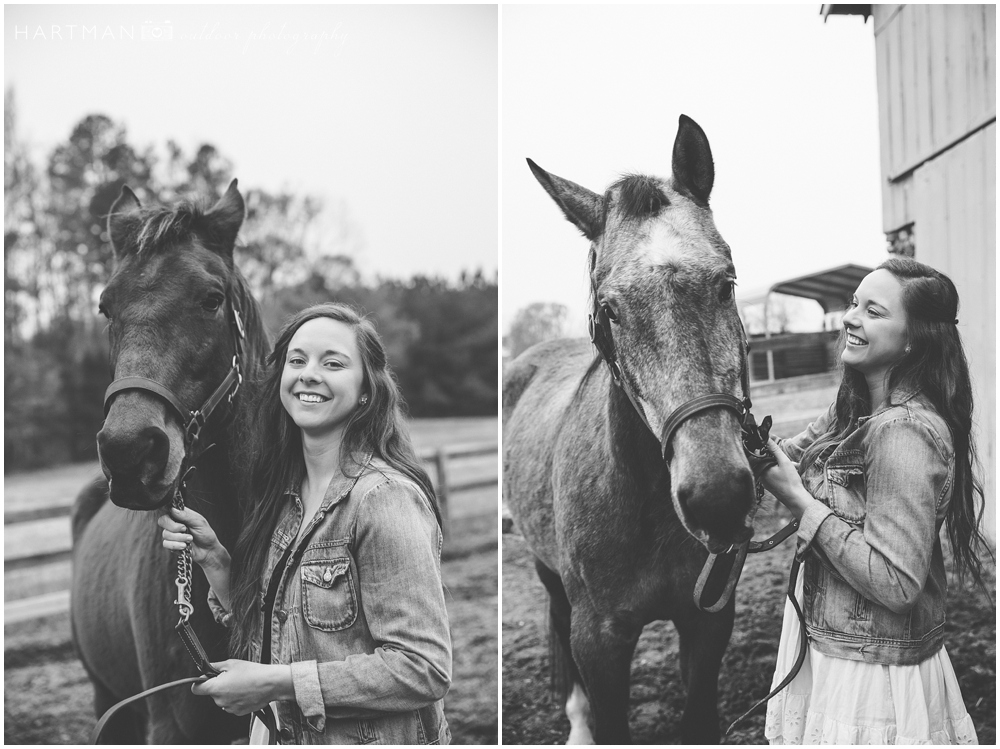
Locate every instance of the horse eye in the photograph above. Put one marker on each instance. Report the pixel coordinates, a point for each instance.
(726, 293)
(612, 316)
(212, 302)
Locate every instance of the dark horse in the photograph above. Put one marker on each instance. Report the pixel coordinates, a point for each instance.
(170, 305)
(618, 532)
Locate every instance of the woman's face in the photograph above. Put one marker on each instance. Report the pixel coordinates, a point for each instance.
(875, 324)
(322, 377)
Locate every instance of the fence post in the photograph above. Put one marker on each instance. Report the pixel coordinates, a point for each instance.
(440, 461)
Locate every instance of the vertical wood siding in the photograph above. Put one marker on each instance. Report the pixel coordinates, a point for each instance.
(936, 72)
(955, 201)
(936, 69)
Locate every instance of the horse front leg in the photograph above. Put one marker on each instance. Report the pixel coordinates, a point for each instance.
(703, 641)
(603, 646)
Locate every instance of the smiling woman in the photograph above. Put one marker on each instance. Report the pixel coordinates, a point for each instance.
(333, 591)
(877, 477)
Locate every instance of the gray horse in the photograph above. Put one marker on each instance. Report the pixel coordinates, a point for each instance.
(619, 524)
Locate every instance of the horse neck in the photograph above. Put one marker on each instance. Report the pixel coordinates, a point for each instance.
(220, 466)
(636, 450)
(211, 490)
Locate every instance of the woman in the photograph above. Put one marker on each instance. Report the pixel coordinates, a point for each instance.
(333, 592)
(877, 476)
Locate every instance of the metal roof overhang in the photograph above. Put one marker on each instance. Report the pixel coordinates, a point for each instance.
(832, 288)
(845, 10)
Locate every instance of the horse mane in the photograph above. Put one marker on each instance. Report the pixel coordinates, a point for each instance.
(639, 196)
(258, 343)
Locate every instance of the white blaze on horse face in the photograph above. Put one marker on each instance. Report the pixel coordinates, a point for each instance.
(578, 712)
(669, 240)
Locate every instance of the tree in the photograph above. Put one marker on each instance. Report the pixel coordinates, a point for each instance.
(535, 323)
(86, 175)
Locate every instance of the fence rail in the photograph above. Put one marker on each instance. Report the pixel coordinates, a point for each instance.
(53, 603)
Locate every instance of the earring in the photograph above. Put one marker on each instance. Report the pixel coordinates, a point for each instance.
(364, 400)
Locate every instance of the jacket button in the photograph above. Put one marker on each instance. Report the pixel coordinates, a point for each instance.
(282, 615)
(328, 576)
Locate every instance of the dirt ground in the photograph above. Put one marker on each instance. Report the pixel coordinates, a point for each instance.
(530, 716)
(47, 697)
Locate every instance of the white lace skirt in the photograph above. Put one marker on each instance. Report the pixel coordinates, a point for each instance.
(839, 701)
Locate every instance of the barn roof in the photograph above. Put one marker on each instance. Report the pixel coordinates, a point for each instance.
(832, 288)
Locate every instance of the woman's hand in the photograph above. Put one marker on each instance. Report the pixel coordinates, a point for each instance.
(244, 687)
(784, 482)
(187, 529)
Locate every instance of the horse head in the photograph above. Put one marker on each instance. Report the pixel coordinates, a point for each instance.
(664, 317)
(173, 305)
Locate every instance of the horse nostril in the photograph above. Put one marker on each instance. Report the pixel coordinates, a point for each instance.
(157, 450)
(143, 455)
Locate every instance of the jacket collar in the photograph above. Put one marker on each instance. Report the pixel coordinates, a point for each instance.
(897, 398)
(340, 485)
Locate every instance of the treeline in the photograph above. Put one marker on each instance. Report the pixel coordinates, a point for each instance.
(294, 250)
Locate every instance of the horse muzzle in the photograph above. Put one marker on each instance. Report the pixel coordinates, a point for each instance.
(715, 502)
(140, 458)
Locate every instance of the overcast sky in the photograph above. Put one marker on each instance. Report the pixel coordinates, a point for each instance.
(789, 105)
(394, 111)
(391, 109)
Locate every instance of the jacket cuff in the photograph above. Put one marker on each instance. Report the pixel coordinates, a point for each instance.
(222, 616)
(308, 695)
(816, 512)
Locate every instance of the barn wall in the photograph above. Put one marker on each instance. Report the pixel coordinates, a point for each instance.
(936, 68)
(936, 72)
(955, 202)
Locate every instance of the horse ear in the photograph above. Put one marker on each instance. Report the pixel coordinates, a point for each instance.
(226, 217)
(693, 167)
(120, 218)
(585, 209)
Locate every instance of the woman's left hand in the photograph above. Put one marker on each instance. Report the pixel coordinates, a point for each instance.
(784, 482)
(244, 686)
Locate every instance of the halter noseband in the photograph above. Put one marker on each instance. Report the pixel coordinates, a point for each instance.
(193, 421)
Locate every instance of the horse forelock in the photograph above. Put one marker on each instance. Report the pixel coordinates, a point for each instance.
(156, 229)
(153, 229)
(638, 196)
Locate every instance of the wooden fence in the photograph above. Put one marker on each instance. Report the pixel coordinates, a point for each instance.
(58, 601)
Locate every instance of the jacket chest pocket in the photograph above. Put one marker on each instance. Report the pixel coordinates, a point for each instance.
(329, 594)
(846, 490)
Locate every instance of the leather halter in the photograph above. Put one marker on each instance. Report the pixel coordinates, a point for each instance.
(599, 325)
(192, 420)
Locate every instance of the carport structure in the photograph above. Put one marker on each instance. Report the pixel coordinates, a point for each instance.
(804, 353)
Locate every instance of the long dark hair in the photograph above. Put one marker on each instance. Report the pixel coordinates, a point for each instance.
(274, 459)
(935, 365)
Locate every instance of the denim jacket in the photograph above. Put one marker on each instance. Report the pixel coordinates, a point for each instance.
(362, 618)
(874, 579)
